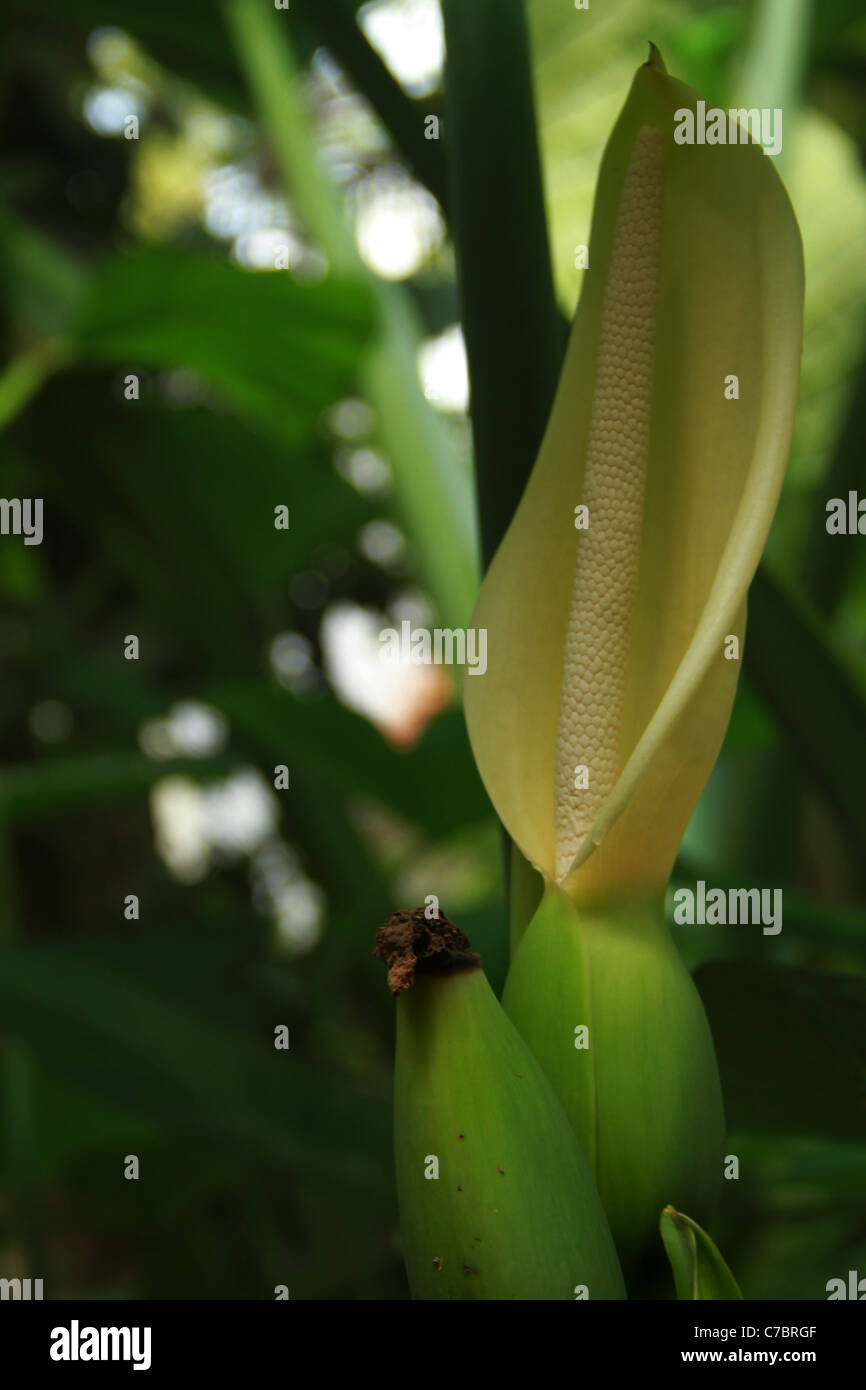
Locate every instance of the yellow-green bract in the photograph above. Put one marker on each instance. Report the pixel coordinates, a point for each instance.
(508, 1210)
(603, 998)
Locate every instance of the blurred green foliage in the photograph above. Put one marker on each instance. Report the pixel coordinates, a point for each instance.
(155, 1037)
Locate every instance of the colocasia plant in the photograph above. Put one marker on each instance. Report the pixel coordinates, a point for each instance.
(615, 612)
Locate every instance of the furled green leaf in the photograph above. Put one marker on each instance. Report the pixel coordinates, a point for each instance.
(698, 1268)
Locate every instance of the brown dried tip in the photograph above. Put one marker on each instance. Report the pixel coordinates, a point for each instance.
(411, 943)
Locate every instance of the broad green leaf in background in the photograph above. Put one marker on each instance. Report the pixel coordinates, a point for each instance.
(811, 926)
(830, 562)
(583, 61)
(340, 751)
(279, 350)
(123, 1040)
(71, 1124)
(336, 750)
(42, 284)
(197, 539)
(791, 1047)
(828, 188)
(49, 787)
(814, 699)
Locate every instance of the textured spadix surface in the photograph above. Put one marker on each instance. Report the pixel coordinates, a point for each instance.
(606, 645)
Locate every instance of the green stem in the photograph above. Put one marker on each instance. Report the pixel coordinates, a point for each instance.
(514, 338)
(513, 330)
(773, 71)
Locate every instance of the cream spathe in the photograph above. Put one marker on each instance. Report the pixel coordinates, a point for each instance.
(610, 679)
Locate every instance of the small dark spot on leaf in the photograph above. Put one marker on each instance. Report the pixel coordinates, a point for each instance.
(467, 1269)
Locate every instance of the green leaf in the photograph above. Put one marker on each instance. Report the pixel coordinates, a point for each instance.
(582, 63)
(791, 1047)
(830, 561)
(810, 922)
(698, 1268)
(30, 790)
(279, 351)
(71, 1125)
(42, 283)
(342, 754)
(131, 1039)
(180, 504)
(814, 700)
